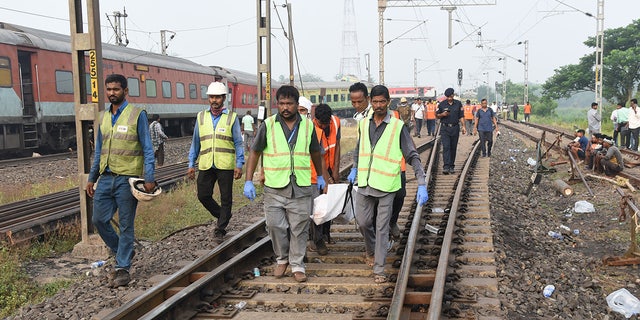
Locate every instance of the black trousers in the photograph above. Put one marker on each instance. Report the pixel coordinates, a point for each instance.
(449, 139)
(206, 181)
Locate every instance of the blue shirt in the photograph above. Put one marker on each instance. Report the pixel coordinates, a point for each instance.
(143, 137)
(485, 122)
(584, 142)
(237, 141)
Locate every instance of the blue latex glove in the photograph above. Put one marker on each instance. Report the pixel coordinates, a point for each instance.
(249, 190)
(352, 175)
(321, 183)
(422, 195)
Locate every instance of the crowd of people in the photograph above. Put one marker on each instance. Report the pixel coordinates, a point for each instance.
(299, 152)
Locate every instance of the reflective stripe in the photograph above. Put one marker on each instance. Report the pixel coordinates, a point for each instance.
(122, 151)
(216, 144)
(379, 166)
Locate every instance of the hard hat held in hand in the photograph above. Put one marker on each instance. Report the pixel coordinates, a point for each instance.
(137, 188)
(216, 89)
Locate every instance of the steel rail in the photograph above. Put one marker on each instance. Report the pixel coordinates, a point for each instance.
(437, 296)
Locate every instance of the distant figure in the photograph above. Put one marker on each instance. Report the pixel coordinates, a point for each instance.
(158, 139)
(527, 111)
(612, 162)
(515, 111)
(405, 113)
(468, 117)
(217, 144)
(616, 126)
(248, 130)
(451, 116)
(623, 125)
(431, 117)
(593, 119)
(418, 115)
(485, 124)
(634, 124)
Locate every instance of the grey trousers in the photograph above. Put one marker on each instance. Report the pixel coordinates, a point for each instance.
(287, 222)
(376, 240)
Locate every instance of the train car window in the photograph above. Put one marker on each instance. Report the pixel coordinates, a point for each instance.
(342, 97)
(244, 98)
(150, 86)
(203, 92)
(193, 91)
(328, 98)
(255, 99)
(180, 90)
(312, 99)
(64, 81)
(134, 87)
(335, 98)
(5, 72)
(166, 89)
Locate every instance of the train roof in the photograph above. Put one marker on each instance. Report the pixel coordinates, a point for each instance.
(309, 85)
(29, 37)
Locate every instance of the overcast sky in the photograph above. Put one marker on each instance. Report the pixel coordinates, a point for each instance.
(223, 32)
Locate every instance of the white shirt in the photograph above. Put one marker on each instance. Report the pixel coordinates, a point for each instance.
(634, 118)
(417, 109)
(494, 107)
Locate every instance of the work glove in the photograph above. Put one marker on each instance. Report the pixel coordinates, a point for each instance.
(422, 195)
(352, 175)
(249, 190)
(321, 183)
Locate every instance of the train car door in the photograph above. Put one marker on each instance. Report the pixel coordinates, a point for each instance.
(29, 127)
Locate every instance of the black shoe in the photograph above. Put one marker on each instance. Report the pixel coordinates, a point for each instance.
(219, 236)
(445, 171)
(451, 171)
(121, 278)
(322, 248)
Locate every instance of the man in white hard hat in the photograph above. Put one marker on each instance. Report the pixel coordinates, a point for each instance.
(217, 139)
(123, 150)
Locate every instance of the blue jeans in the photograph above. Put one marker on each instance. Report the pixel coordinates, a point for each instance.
(114, 193)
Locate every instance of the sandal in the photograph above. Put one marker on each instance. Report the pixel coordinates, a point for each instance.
(369, 260)
(380, 278)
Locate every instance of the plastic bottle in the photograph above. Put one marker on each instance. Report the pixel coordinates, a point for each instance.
(256, 272)
(555, 235)
(241, 304)
(565, 227)
(576, 232)
(97, 264)
(548, 290)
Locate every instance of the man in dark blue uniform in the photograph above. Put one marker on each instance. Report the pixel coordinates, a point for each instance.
(451, 115)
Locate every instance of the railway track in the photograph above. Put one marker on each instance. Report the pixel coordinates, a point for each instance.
(429, 269)
(560, 139)
(24, 220)
(30, 161)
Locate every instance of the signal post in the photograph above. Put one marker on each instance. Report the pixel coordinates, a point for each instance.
(87, 111)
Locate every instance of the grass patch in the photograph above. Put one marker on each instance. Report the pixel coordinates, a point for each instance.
(179, 208)
(16, 286)
(24, 191)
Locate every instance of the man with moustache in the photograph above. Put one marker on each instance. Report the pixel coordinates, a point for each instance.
(378, 173)
(217, 140)
(359, 93)
(288, 144)
(123, 150)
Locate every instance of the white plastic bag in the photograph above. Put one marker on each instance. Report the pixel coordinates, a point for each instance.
(583, 206)
(624, 302)
(331, 205)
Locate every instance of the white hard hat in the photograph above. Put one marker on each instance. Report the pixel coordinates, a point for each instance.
(137, 188)
(304, 102)
(216, 88)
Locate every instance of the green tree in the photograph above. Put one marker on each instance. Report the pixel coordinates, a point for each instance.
(621, 73)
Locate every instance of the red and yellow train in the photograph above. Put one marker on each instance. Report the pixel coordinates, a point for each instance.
(36, 88)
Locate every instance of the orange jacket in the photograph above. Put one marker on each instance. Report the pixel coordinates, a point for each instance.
(527, 108)
(468, 112)
(431, 111)
(328, 143)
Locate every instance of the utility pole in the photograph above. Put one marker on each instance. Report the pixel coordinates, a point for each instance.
(504, 80)
(599, 55)
(382, 5)
(415, 74)
(367, 59)
(450, 10)
(350, 60)
(264, 56)
(121, 33)
(290, 37)
(163, 40)
(87, 110)
(526, 71)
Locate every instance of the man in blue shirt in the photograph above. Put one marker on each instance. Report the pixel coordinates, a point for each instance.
(123, 148)
(578, 147)
(217, 140)
(484, 126)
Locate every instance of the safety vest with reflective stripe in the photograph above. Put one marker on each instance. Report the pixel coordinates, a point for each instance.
(279, 161)
(328, 144)
(403, 165)
(431, 111)
(216, 148)
(379, 165)
(468, 112)
(121, 150)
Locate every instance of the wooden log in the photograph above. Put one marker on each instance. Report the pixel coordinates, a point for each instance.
(562, 187)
